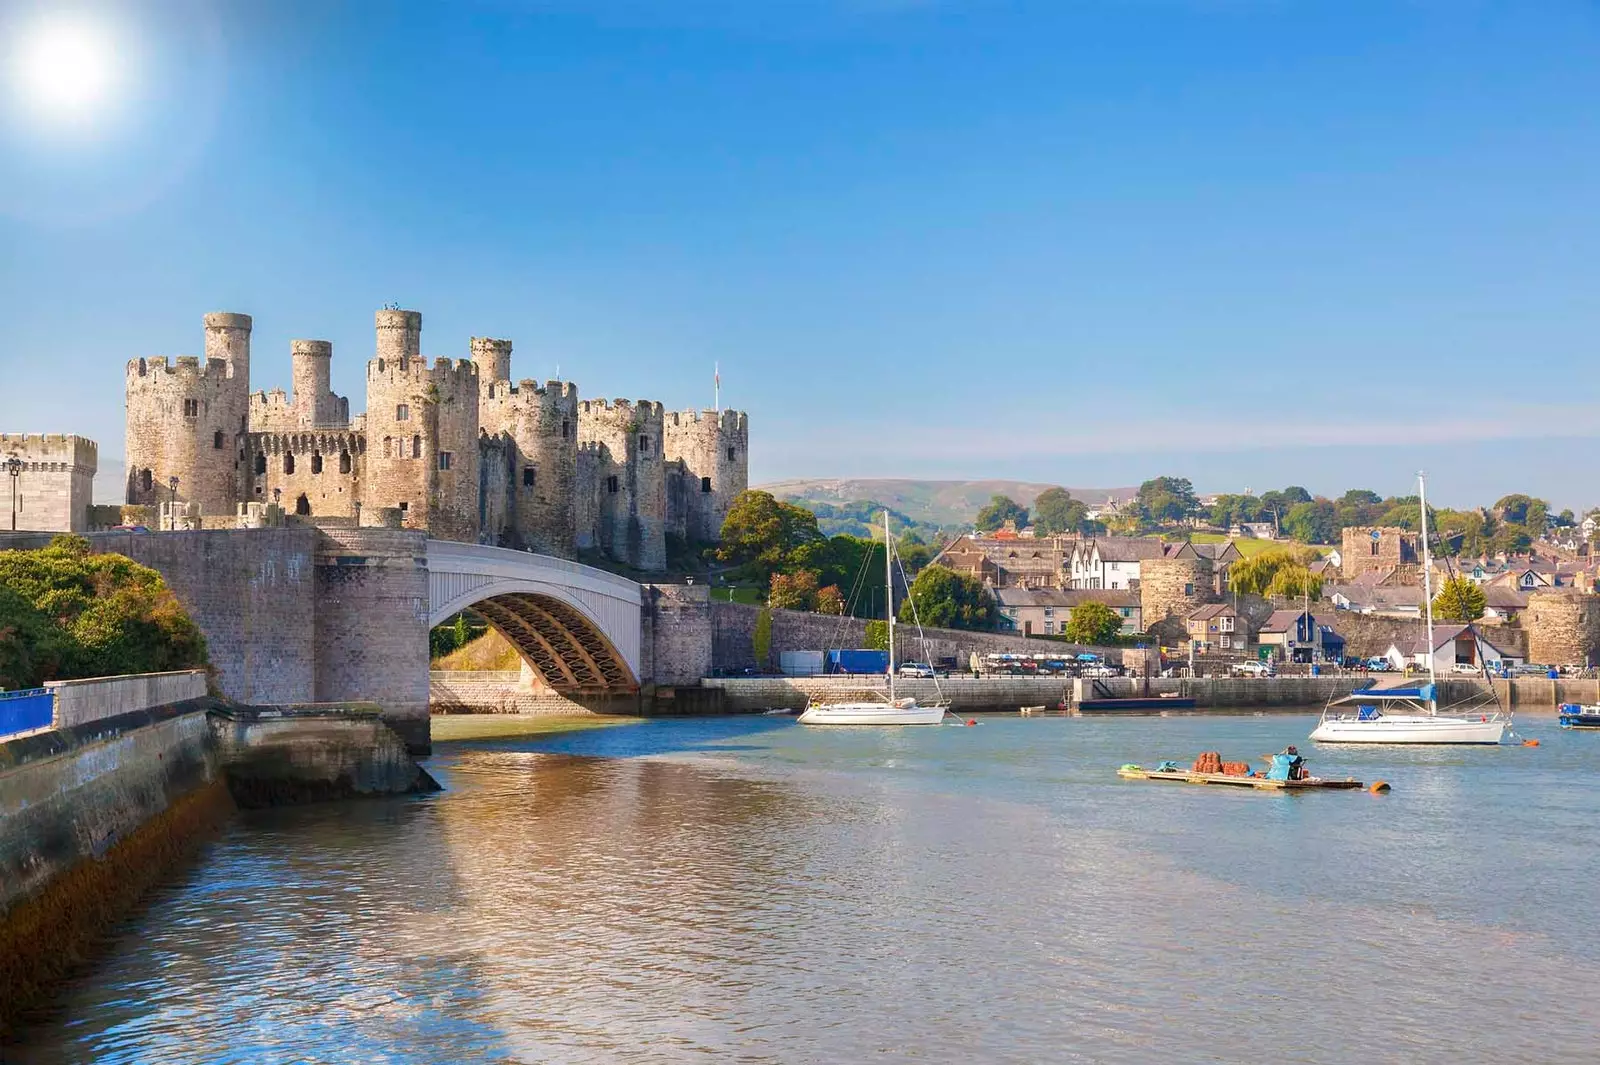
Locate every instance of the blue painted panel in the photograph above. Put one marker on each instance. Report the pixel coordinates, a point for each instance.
(24, 711)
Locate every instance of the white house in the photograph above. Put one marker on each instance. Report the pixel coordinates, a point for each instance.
(1453, 645)
(1111, 562)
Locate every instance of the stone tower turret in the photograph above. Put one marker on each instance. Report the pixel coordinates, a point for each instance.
(493, 358)
(399, 334)
(1563, 627)
(422, 436)
(1170, 589)
(541, 426)
(629, 480)
(314, 401)
(187, 421)
(714, 447)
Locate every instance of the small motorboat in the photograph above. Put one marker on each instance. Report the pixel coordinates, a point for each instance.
(1573, 715)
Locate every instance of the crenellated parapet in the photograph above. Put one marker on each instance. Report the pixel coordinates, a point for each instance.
(54, 486)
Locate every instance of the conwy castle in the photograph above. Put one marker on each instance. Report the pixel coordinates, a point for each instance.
(456, 448)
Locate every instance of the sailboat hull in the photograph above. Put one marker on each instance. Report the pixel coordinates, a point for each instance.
(871, 714)
(1412, 728)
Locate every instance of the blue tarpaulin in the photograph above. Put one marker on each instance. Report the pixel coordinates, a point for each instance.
(27, 710)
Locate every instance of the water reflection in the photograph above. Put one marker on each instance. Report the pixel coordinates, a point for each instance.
(756, 891)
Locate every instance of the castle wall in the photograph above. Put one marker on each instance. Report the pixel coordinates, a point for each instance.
(630, 491)
(54, 489)
(1563, 628)
(497, 457)
(541, 425)
(309, 474)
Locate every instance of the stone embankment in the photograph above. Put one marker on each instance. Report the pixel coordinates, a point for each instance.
(132, 774)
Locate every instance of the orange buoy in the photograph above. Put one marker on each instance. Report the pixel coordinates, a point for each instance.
(972, 721)
(1379, 787)
(1530, 743)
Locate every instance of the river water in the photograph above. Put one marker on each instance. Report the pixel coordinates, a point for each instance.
(753, 890)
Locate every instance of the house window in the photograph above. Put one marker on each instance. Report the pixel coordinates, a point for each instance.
(444, 460)
(1374, 547)
(1225, 640)
(1188, 589)
(288, 463)
(316, 462)
(1049, 612)
(1049, 628)
(1125, 611)
(1227, 624)
(644, 443)
(705, 484)
(404, 506)
(611, 484)
(529, 473)
(191, 408)
(732, 454)
(216, 440)
(402, 413)
(416, 447)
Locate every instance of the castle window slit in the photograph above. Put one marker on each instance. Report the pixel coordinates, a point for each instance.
(216, 440)
(316, 462)
(344, 462)
(288, 463)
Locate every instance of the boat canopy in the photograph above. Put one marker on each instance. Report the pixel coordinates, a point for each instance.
(1423, 693)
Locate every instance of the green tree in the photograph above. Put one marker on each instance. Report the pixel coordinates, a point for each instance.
(761, 639)
(1259, 575)
(876, 637)
(830, 600)
(1315, 522)
(1360, 497)
(1515, 508)
(1055, 512)
(1295, 582)
(1459, 600)
(1167, 499)
(763, 535)
(1000, 510)
(1093, 623)
(1231, 510)
(92, 615)
(793, 591)
(949, 600)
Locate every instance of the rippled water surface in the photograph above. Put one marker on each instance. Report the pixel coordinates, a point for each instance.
(753, 890)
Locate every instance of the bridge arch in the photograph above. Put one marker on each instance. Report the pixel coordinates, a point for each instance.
(577, 626)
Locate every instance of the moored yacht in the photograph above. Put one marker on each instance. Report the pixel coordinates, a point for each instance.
(1410, 714)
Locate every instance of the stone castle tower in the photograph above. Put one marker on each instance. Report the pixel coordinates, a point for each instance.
(455, 447)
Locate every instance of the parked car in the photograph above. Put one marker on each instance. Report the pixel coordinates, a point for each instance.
(915, 669)
(1529, 669)
(1254, 669)
(1470, 668)
(1379, 664)
(1099, 671)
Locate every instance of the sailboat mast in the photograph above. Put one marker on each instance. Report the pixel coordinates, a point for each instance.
(888, 595)
(1427, 571)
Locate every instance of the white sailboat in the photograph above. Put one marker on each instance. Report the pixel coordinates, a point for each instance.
(873, 708)
(1409, 713)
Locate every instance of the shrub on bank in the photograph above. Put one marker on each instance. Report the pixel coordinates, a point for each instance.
(66, 613)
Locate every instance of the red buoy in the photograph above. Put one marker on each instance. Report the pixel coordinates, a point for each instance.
(972, 721)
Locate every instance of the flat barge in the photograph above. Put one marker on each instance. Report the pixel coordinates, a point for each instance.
(1183, 776)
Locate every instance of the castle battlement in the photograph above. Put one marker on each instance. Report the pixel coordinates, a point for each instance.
(726, 421)
(180, 367)
(55, 449)
(443, 369)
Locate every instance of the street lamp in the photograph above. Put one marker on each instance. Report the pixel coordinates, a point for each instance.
(172, 486)
(276, 492)
(14, 468)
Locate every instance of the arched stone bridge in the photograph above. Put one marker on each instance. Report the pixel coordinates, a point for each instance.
(577, 626)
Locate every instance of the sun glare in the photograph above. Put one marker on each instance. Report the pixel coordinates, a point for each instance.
(65, 69)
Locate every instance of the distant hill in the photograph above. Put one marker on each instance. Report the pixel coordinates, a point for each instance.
(950, 503)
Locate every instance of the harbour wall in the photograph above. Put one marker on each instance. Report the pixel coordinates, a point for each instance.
(976, 694)
(95, 810)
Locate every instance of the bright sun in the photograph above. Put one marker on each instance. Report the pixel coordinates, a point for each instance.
(65, 68)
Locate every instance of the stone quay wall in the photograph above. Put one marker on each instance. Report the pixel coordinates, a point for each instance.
(733, 631)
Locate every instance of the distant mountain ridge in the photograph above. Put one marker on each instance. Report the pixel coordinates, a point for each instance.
(934, 502)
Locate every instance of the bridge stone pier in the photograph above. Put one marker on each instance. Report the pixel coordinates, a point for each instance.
(313, 614)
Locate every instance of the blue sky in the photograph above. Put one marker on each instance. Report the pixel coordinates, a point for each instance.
(1251, 242)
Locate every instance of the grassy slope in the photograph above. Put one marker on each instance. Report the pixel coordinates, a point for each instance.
(488, 652)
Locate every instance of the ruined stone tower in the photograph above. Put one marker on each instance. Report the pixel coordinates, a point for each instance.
(422, 433)
(713, 448)
(628, 467)
(187, 420)
(1170, 589)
